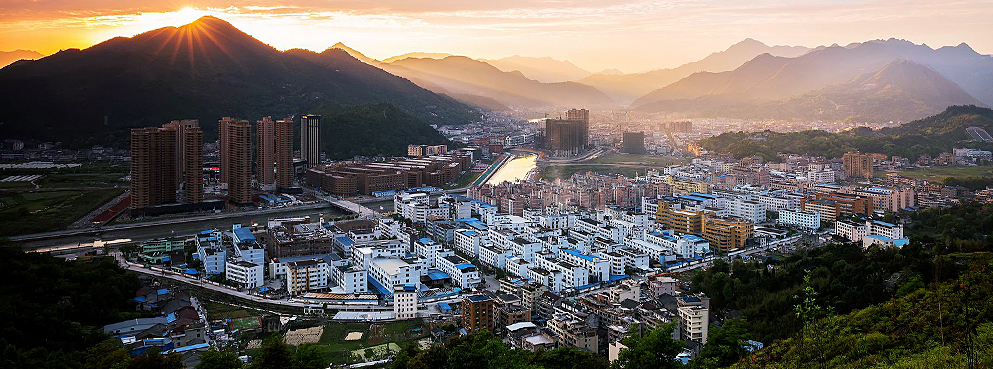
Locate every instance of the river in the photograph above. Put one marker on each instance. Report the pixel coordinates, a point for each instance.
(514, 170)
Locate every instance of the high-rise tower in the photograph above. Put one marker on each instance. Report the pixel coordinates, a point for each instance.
(284, 152)
(236, 158)
(310, 139)
(153, 167)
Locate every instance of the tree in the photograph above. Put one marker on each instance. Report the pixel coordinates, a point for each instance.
(108, 354)
(655, 350)
(568, 358)
(152, 359)
(308, 356)
(275, 354)
(214, 359)
(725, 345)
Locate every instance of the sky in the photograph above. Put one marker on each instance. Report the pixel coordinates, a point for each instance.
(629, 35)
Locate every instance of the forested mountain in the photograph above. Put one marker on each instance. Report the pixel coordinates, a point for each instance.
(204, 70)
(931, 136)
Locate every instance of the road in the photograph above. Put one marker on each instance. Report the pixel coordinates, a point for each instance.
(219, 288)
(155, 223)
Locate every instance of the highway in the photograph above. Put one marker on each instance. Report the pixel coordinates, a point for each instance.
(174, 221)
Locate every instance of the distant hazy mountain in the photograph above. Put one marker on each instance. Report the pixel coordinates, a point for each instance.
(627, 87)
(459, 75)
(354, 53)
(768, 77)
(900, 91)
(7, 57)
(544, 69)
(204, 70)
(416, 55)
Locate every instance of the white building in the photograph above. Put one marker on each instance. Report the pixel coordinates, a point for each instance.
(405, 301)
(801, 219)
(467, 241)
(753, 211)
(349, 277)
(245, 273)
(851, 231)
(392, 271)
(463, 273)
(598, 268)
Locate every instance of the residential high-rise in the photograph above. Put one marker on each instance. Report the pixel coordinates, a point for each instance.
(310, 139)
(180, 127)
(726, 234)
(633, 142)
(275, 152)
(266, 153)
(236, 158)
(477, 313)
(567, 136)
(284, 152)
(153, 167)
(192, 164)
(857, 165)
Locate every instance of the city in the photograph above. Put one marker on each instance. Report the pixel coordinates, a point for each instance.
(224, 203)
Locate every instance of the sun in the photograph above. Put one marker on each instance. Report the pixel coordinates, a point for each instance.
(176, 18)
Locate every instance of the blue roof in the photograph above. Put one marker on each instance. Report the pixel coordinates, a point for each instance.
(703, 195)
(585, 286)
(693, 237)
(192, 347)
(379, 287)
(244, 234)
(171, 318)
(464, 266)
(426, 241)
(575, 252)
(618, 277)
(191, 271)
(345, 240)
(162, 291)
(469, 233)
(209, 231)
(884, 224)
(141, 299)
(691, 299)
(444, 306)
(694, 198)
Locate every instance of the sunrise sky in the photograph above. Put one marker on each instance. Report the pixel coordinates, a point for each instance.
(630, 35)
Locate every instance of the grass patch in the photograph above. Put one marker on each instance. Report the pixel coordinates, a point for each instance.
(247, 322)
(465, 180)
(940, 173)
(34, 212)
(565, 171)
(334, 347)
(617, 158)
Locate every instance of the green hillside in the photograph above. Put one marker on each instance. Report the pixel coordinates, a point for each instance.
(932, 135)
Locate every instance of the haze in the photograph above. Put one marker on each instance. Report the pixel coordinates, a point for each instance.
(629, 35)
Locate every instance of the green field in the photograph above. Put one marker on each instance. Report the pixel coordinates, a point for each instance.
(938, 174)
(33, 212)
(565, 171)
(465, 180)
(617, 158)
(248, 322)
(337, 350)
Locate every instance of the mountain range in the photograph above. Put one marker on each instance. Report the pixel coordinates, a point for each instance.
(7, 57)
(930, 82)
(628, 87)
(543, 69)
(204, 70)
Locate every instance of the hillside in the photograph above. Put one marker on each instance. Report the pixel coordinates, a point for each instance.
(7, 57)
(459, 75)
(769, 78)
(900, 91)
(372, 130)
(628, 87)
(421, 55)
(203, 70)
(931, 136)
(544, 69)
(946, 325)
